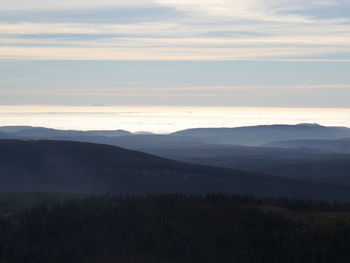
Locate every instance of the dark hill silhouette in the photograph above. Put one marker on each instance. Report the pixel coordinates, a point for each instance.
(326, 168)
(257, 135)
(63, 166)
(140, 142)
(219, 150)
(118, 137)
(41, 132)
(333, 171)
(340, 145)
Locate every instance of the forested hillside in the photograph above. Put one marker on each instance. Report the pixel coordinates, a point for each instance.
(174, 228)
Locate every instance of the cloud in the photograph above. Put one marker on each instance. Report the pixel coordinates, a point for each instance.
(174, 91)
(274, 96)
(200, 30)
(258, 10)
(160, 53)
(35, 5)
(79, 28)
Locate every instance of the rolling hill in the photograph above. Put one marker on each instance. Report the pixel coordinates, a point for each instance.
(41, 132)
(76, 167)
(340, 145)
(257, 135)
(325, 168)
(247, 136)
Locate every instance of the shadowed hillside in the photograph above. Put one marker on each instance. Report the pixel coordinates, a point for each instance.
(327, 168)
(61, 166)
(340, 145)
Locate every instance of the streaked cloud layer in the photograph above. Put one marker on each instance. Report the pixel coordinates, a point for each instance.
(191, 83)
(267, 30)
(289, 53)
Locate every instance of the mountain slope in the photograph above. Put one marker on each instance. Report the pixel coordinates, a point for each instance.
(325, 168)
(41, 132)
(340, 145)
(257, 135)
(4, 135)
(61, 166)
(139, 142)
(217, 150)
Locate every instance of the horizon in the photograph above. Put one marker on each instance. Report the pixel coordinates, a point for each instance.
(146, 132)
(165, 119)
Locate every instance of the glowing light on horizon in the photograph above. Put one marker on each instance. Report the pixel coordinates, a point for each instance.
(165, 119)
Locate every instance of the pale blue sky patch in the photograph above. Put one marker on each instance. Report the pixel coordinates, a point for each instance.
(337, 10)
(176, 73)
(98, 15)
(215, 83)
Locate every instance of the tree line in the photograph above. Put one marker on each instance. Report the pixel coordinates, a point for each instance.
(177, 228)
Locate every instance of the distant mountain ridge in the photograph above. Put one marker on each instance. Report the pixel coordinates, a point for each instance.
(263, 134)
(29, 131)
(247, 136)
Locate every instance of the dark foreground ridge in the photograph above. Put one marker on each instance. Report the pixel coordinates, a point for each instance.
(76, 167)
(173, 228)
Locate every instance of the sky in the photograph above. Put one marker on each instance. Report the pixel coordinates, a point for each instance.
(254, 53)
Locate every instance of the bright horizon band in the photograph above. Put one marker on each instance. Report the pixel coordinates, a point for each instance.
(164, 119)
